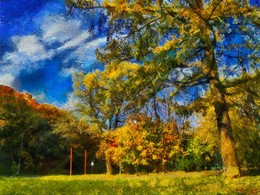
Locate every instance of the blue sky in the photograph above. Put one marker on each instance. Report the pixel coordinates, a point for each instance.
(41, 46)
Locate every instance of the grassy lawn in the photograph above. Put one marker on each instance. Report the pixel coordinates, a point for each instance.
(171, 183)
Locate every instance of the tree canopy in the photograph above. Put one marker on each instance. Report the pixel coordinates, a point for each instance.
(188, 47)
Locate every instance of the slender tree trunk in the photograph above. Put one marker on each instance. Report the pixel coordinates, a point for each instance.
(227, 143)
(108, 163)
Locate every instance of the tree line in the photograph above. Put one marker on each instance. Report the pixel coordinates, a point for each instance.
(36, 138)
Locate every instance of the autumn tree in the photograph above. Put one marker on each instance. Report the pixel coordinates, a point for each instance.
(23, 132)
(102, 94)
(142, 145)
(27, 134)
(103, 98)
(194, 44)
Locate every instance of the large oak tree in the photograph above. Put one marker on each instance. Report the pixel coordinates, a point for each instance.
(188, 45)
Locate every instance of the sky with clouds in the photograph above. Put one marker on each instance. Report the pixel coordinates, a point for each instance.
(41, 46)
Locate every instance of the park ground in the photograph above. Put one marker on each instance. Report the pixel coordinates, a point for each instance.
(210, 182)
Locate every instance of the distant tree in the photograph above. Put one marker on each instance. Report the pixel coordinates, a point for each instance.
(21, 135)
(103, 96)
(79, 135)
(26, 132)
(143, 145)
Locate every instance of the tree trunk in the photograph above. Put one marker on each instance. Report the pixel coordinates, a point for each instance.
(108, 163)
(227, 144)
(217, 90)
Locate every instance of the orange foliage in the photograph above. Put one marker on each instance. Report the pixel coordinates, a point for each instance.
(11, 96)
(8, 95)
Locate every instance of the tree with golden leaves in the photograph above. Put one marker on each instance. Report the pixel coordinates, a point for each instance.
(192, 45)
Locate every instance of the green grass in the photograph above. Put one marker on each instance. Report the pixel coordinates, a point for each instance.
(171, 183)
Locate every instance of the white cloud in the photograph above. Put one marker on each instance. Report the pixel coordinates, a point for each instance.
(58, 28)
(29, 53)
(15, 62)
(31, 47)
(71, 102)
(69, 33)
(7, 79)
(86, 52)
(96, 43)
(68, 71)
(28, 44)
(75, 42)
(31, 50)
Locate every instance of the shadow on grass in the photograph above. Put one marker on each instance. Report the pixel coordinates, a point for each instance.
(250, 172)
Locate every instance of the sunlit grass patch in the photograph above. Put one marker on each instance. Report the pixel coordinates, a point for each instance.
(171, 183)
